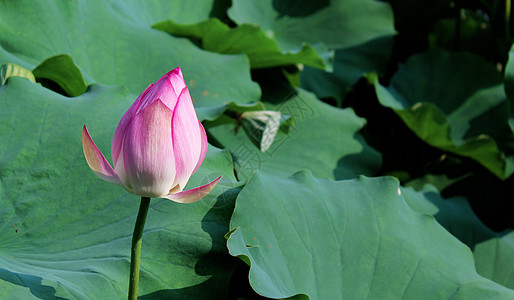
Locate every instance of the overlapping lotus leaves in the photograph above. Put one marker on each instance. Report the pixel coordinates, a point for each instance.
(350, 64)
(324, 139)
(336, 24)
(493, 252)
(509, 85)
(67, 234)
(262, 50)
(62, 70)
(343, 239)
(130, 53)
(455, 102)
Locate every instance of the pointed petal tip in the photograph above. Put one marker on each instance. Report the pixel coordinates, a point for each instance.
(85, 133)
(177, 80)
(96, 160)
(177, 70)
(193, 195)
(86, 138)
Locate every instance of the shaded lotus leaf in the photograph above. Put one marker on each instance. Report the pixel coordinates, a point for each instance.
(62, 70)
(261, 49)
(440, 181)
(350, 65)
(509, 77)
(455, 102)
(336, 24)
(493, 251)
(509, 85)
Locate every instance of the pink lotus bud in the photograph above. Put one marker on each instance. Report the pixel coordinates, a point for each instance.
(157, 146)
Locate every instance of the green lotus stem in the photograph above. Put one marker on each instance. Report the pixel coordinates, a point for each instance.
(135, 253)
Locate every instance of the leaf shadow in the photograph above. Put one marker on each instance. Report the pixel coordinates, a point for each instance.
(364, 162)
(298, 9)
(216, 223)
(457, 216)
(191, 292)
(34, 283)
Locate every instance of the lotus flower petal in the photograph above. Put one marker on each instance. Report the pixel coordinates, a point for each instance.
(204, 147)
(192, 195)
(187, 138)
(96, 160)
(148, 156)
(122, 126)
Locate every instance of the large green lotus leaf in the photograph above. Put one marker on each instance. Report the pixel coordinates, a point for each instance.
(455, 102)
(324, 139)
(151, 12)
(350, 64)
(336, 24)
(113, 43)
(262, 50)
(354, 239)
(66, 233)
(493, 252)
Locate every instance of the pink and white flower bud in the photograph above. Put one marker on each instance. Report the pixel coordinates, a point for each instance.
(158, 144)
